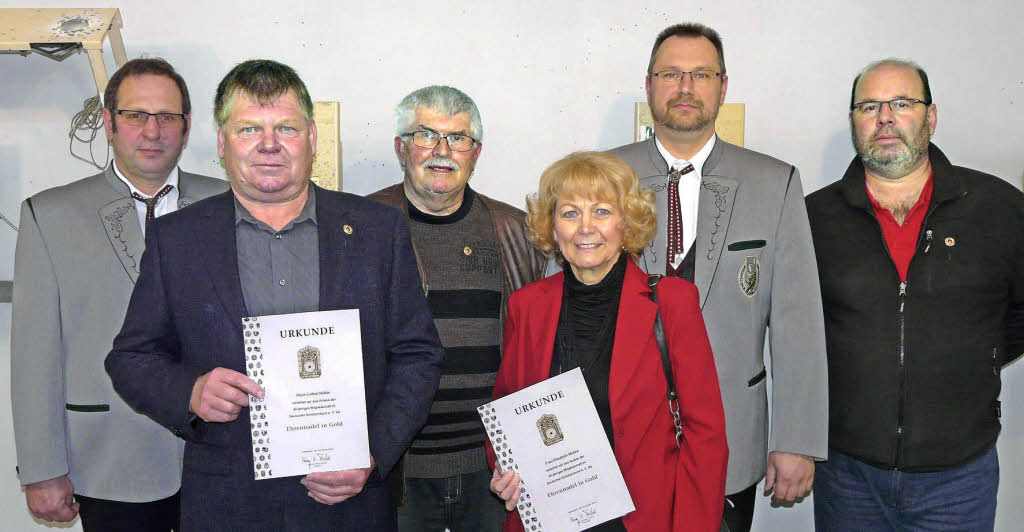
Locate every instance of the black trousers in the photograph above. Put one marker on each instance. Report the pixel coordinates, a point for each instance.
(101, 515)
(739, 510)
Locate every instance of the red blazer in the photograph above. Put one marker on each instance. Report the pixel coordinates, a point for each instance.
(673, 489)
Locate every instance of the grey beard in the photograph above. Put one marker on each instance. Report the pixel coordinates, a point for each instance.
(893, 166)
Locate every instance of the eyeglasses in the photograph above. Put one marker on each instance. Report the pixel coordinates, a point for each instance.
(900, 106)
(425, 138)
(673, 77)
(163, 120)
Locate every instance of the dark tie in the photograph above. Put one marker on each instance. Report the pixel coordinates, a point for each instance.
(675, 218)
(151, 202)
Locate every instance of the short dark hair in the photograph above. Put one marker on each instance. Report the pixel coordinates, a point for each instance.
(688, 29)
(264, 80)
(893, 61)
(139, 67)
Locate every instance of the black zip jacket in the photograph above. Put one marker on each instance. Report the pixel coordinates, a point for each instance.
(914, 367)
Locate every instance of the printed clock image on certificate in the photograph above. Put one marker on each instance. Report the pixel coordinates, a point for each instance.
(313, 413)
(551, 435)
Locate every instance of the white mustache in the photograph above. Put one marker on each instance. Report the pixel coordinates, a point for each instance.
(443, 162)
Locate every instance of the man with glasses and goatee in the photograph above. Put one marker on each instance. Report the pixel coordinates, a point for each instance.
(472, 253)
(81, 449)
(922, 280)
(733, 222)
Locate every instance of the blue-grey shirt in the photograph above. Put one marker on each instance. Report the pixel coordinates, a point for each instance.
(279, 270)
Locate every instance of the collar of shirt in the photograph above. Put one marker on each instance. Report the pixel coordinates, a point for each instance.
(902, 239)
(460, 213)
(697, 161)
(308, 212)
(172, 179)
(164, 205)
(689, 190)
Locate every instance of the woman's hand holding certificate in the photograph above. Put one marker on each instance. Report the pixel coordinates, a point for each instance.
(506, 487)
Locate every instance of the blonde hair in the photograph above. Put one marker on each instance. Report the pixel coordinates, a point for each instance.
(596, 176)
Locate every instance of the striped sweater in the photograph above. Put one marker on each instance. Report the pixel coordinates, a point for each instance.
(459, 253)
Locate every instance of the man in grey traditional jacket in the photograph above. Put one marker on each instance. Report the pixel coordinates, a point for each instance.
(733, 221)
(81, 449)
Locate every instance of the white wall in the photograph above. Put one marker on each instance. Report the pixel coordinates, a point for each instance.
(549, 78)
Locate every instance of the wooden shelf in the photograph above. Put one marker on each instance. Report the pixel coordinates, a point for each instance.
(23, 27)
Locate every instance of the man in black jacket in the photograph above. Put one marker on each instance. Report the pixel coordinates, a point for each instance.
(922, 281)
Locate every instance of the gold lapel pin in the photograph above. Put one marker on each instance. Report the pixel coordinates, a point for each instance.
(347, 228)
(467, 250)
(950, 241)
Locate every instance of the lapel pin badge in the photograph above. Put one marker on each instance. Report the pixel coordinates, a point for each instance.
(347, 228)
(950, 241)
(467, 250)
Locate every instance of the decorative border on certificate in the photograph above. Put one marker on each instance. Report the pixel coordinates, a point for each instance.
(499, 440)
(257, 413)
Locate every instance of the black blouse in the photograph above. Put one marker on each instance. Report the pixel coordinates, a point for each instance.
(584, 339)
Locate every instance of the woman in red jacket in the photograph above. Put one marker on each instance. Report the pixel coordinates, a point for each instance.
(597, 315)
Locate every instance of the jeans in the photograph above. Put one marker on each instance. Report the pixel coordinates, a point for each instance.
(463, 503)
(850, 495)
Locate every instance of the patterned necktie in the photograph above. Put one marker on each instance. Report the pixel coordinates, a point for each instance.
(675, 217)
(151, 202)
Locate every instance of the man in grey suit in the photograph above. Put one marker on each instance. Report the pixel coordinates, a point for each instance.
(81, 449)
(733, 221)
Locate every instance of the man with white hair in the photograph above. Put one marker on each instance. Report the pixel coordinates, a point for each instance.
(472, 253)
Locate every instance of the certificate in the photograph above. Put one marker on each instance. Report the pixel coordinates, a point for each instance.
(313, 413)
(551, 435)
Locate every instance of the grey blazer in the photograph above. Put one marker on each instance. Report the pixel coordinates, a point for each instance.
(754, 267)
(75, 265)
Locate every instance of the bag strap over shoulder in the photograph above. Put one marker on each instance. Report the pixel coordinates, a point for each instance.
(666, 362)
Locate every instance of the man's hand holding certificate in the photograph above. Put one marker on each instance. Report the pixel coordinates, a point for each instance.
(220, 395)
(311, 418)
(332, 487)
